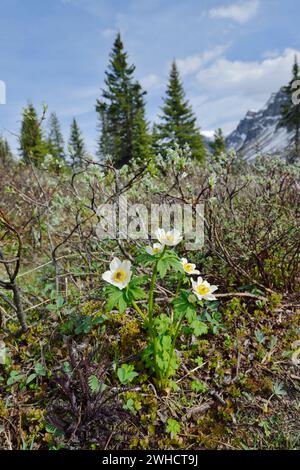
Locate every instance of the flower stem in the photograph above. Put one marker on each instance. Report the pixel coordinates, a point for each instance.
(150, 311)
(179, 284)
(135, 305)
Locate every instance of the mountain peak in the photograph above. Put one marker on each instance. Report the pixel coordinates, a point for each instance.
(258, 132)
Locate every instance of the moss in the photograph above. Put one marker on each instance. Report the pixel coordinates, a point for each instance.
(131, 338)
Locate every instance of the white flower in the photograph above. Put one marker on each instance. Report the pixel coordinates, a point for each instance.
(119, 274)
(203, 289)
(171, 238)
(189, 268)
(155, 249)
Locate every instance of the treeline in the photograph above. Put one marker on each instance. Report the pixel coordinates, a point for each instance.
(124, 132)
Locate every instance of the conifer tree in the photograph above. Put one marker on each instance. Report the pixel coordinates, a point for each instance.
(55, 138)
(218, 146)
(291, 114)
(76, 145)
(5, 152)
(178, 124)
(155, 140)
(121, 110)
(33, 147)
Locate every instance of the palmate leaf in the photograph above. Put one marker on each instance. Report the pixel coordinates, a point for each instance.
(114, 294)
(124, 298)
(199, 328)
(168, 261)
(183, 305)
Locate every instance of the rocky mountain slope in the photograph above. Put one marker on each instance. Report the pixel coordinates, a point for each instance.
(258, 131)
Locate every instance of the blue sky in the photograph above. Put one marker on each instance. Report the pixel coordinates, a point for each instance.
(231, 54)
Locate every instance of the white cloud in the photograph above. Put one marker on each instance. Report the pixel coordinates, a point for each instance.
(193, 63)
(208, 133)
(223, 91)
(151, 82)
(256, 78)
(240, 12)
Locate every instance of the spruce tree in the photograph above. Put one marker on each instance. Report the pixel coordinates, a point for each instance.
(218, 146)
(33, 147)
(76, 145)
(5, 152)
(291, 114)
(121, 110)
(55, 138)
(178, 124)
(155, 140)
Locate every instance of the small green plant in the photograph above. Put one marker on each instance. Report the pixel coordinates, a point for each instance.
(39, 371)
(173, 427)
(162, 329)
(14, 377)
(126, 373)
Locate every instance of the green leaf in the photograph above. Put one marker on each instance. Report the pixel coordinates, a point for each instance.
(14, 377)
(40, 369)
(173, 427)
(184, 306)
(94, 384)
(199, 328)
(168, 261)
(198, 386)
(122, 304)
(126, 373)
(30, 378)
(53, 430)
(114, 297)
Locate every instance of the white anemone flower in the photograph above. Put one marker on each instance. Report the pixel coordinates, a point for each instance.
(171, 238)
(189, 268)
(119, 274)
(203, 289)
(155, 249)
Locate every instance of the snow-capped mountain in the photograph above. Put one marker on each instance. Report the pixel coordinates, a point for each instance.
(258, 132)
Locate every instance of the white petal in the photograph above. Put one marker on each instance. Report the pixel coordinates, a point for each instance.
(209, 297)
(183, 260)
(126, 265)
(107, 276)
(149, 250)
(114, 265)
(160, 235)
(195, 271)
(200, 297)
(199, 280)
(213, 288)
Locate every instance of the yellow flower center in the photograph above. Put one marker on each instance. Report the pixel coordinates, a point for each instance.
(156, 249)
(202, 289)
(188, 267)
(119, 276)
(169, 237)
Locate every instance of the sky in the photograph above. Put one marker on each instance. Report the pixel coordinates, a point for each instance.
(231, 54)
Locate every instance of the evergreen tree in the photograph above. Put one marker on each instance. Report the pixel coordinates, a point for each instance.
(291, 114)
(55, 138)
(218, 146)
(33, 147)
(121, 110)
(178, 124)
(76, 145)
(155, 140)
(5, 152)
